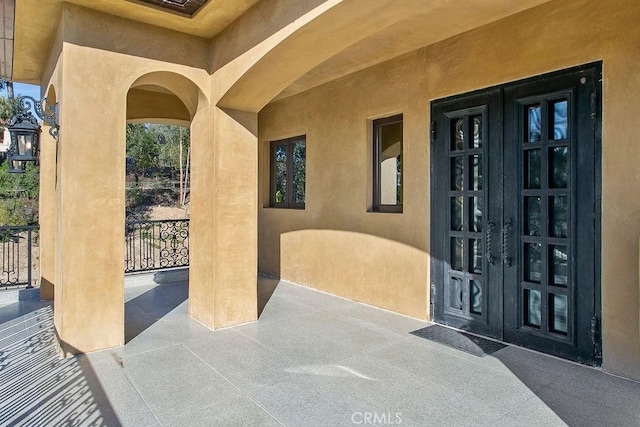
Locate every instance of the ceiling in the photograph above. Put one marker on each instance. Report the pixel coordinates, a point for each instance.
(36, 23)
(436, 20)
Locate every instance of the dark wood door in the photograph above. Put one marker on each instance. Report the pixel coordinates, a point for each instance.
(515, 217)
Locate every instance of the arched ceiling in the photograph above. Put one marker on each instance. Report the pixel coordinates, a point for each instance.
(356, 34)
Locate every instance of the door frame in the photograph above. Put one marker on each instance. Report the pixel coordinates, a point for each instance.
(438, 212)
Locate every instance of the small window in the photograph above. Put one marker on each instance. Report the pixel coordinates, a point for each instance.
(387, 167)
(288, 173)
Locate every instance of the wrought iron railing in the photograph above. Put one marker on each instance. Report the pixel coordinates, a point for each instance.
(20, 252)
(156, 245)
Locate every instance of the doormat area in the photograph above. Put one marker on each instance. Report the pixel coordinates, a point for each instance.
(459, 340)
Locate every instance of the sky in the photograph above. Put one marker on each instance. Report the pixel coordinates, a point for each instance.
(24, 90)
(29, 90)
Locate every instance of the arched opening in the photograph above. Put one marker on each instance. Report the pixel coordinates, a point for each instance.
(160, 109)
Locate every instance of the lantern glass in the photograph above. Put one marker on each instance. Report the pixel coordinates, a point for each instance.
(25, 146)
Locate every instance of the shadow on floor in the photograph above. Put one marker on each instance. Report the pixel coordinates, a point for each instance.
(578, 394)
(146, 309)
(40, 388)
(17, 310)
(266, 287)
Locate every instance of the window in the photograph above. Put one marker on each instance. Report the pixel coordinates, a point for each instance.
(387, 164)
(288, 170)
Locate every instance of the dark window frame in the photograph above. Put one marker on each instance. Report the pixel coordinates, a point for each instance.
(377, 127)
(288, 202)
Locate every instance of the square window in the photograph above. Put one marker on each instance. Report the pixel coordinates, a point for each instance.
(387, 180)
(288, 173)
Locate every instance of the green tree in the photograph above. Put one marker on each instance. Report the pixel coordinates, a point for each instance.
(8, 107)
(154, 146)
(19, 195)
(142, 145)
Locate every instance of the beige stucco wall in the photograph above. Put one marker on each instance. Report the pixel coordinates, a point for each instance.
(92, 80)
(336, 245)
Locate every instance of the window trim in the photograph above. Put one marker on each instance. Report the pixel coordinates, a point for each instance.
(288, 203)
(377, 125)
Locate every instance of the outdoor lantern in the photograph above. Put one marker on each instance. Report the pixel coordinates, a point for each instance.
(25, 132)
(25, 137)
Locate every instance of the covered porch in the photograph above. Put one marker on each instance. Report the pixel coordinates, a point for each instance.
(310, 359)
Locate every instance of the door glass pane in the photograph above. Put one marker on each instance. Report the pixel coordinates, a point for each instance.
(476, 172)
(475, 213)
(475, 256)
(558, 264)
(532, 213)
(559, 126)
(455, 293)
(559, 211)
(532, 169)
(533, 129)
(298, 156)
(477, 131)
(558, 313)
(457, 134)
(457, 250)
(532, 262)
(475, 296)
(281, 173)
(457, 177)
(531, 306)
(559, 167)
(456, 213)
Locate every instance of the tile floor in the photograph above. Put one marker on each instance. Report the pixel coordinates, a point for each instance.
(310, 360)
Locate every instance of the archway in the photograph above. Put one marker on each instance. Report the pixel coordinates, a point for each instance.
(160, 110)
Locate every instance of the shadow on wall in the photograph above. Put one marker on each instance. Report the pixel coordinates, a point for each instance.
(37, 386)
(361, 267)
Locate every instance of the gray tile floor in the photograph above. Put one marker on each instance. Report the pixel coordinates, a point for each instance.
(311, 359)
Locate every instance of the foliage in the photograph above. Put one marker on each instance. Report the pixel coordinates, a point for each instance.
(156, 146)
(143, 146)
(8, 107)
(157, 163)
(19, 195)
(19, 185)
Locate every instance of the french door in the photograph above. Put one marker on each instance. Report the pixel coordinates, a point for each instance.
(515, 212)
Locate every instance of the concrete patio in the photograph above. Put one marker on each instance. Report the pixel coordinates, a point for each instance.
(311, 359)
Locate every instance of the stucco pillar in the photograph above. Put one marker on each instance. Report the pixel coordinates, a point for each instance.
(46, 214)
(90, 208)
(223, 234)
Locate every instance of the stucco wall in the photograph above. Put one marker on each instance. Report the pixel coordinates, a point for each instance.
(336, 245)
(92, 79)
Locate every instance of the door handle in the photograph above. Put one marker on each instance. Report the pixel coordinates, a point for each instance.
(506, 240)
(491, 226)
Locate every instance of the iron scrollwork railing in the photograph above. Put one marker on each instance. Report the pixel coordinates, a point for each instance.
(19, 256)
(156, 245)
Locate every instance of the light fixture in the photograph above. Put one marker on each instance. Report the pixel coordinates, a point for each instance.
(25, 131)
